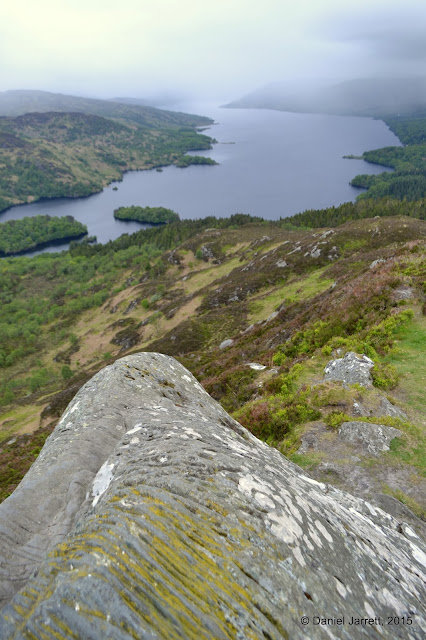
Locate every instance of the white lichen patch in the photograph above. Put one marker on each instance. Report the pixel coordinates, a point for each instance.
(190, 432)
(409, 532)
(285, 527)
(309, 544)
(323, 531)
(314, 482)
(299, 557)
(295, 511)
(249, 483)
(371, 509)
(75, 407)
(340, 588)
(264, 501)
(102, 481)
(135, 429)
(239, 448)
(389, 600)
(418, 554)
(315, 537)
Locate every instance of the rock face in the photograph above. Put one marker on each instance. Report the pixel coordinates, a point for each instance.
(351, 369)
(388, 409)
(150, 513)
(371, 438)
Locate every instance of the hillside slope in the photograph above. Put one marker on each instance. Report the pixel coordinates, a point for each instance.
(18, 102)
(255, 310)
(55, 154)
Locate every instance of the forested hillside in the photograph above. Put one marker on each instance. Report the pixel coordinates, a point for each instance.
(54, 154)
(17, 236)
(408, 180)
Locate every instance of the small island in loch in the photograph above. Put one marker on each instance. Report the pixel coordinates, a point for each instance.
(20, 236)
(186, 161)
(148, 215)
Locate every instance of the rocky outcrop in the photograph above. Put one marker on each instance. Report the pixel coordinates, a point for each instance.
(371, 438)
(352, 369)
(150, 513)
(386, 408)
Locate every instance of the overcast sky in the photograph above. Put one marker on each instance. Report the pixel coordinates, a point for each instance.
(205, 48)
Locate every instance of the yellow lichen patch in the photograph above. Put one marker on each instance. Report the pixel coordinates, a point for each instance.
(174, 572)
(67, 632)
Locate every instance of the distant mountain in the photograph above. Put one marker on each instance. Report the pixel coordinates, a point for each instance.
(18, 102)
(375, 97)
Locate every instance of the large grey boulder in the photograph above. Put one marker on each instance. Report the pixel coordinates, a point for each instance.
(150, 513)
(351, 369)
(371, 438)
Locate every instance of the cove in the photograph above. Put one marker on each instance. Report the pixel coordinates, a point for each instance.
(271, 164)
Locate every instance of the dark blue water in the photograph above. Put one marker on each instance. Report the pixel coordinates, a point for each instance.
(278, 164)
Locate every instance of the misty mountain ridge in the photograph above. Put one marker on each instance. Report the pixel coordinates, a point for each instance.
(374, 97)
(158, 100)
(20, 101)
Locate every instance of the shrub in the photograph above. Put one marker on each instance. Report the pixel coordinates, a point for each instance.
(385, 376)
(66, 372)
(336, 418)
(273, 417)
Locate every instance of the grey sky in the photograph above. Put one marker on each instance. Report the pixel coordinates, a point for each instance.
(221, 48)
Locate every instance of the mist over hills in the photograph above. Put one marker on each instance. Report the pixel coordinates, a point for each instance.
(21, 101)
(374, 97)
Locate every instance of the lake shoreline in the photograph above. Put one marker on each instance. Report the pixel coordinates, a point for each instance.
(115, 180)
(278, 164)
(43, 245)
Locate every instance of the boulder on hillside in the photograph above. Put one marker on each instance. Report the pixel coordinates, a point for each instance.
(351, 369)
(386, 408)
(371, 438)
(150, 513)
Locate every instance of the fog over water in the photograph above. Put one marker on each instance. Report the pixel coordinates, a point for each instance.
(271, 164)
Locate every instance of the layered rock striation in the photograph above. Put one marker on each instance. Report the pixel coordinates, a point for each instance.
(150, 513)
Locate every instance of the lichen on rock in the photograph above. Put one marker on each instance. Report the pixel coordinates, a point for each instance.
(369, 437)
(351, 369)
(151, 513)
